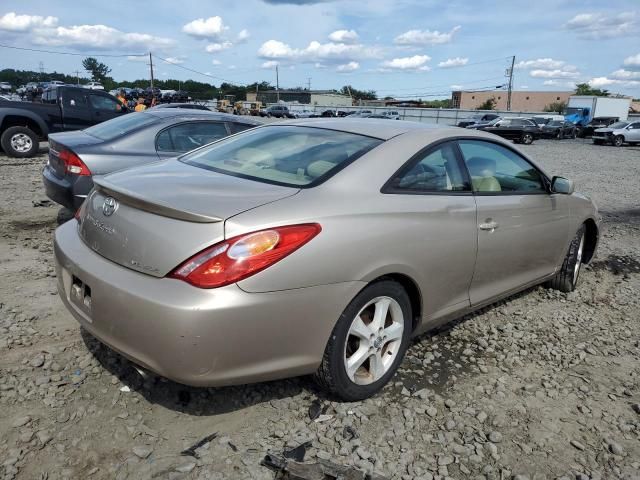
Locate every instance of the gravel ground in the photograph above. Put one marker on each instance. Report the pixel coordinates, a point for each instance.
(541, 386)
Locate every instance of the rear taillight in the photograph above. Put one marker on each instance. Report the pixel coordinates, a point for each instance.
(72, 163)
(240, 257)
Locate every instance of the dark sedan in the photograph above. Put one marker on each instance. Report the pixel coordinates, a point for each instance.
(127, 141)
(520, 130)
(559, 129)
(477, 118)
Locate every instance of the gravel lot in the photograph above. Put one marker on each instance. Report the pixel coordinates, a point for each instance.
(541, 386)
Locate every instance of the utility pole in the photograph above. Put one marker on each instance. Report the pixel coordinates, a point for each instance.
(277, 86)
(151, 68)
(309, 83)
(77, 76)
(510, 87)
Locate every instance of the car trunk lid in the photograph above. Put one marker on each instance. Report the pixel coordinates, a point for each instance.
(152, 218)
(71, 141)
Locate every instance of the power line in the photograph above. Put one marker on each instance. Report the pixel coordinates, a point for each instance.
(57, 52)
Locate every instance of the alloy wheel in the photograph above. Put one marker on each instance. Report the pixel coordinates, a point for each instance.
(576, 267)
(374, 340)
(21, 143)
(527, 139)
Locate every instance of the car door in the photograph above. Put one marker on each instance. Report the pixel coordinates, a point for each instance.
(633, 132)
(522, 229)
(75, 109)
(433, 195)
(104, 107)
(183, 137)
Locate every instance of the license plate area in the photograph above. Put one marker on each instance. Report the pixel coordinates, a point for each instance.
(80, 295)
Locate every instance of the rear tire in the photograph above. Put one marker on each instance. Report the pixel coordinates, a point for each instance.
(618, 141)
(380, 341)
(20, 142)
(567, 277)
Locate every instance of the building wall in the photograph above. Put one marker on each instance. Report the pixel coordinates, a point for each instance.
(304, 97)
(521, 100)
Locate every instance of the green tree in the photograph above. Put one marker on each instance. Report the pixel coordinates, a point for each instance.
(585, 89)
(358, 94)
(558, 107)
(98, 70)
(488, 104)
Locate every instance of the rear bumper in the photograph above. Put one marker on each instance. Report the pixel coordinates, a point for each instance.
(69, 193)
(195, 336)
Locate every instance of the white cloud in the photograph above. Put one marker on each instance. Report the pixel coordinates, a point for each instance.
(541, 63)
(243, 36)
(524, 87)
(212, 28)
(599, 82)
(218, 47)
(99, 36)
(623, 74)
(138, 58)
(455, 87)
(557, 73)
(348, 67)
(453, 62)
(316, 52)
(601, 25)
(559, 83)
(270, 64)
(231, 67)
(417, 62)
(174, 60)
(215, 61)
(632, 61)
(344, 36)
(425, 37)
(23, 23)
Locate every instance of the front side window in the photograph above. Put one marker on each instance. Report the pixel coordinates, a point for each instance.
(105, 103)
(497, 169)
(436, 170)
(188, 136)
(284, 155)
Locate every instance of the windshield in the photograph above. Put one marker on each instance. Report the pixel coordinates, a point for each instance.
(284, 155)
(618, 125)
(120, 125)
(572, 110)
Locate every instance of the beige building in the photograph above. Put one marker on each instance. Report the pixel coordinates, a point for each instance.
(525, 101)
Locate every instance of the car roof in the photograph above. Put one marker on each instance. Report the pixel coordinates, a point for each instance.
(371, 127)
(195, 114)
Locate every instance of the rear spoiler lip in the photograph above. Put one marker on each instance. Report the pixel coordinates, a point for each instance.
(155, 207)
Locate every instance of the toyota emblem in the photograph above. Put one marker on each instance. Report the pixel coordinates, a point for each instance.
(109, 206)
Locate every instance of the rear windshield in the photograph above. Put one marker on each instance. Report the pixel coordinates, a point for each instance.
(120, 125)
(283, 155)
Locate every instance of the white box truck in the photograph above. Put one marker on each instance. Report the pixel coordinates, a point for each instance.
(581, 109)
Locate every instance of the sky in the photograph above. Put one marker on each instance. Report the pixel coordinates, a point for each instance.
(399, 48)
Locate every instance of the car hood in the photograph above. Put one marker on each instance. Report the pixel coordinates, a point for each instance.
(603, 130)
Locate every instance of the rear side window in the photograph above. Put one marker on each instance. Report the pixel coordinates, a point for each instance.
(496, 169)
(283, 155)
(188, 136)
(239, 127)
(72, 99)
(120, 126)
(436, 170)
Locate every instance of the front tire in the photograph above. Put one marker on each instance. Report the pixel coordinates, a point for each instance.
(20, 142)
(367, 343)
(618, 141)
(527, 138)
(567, 277)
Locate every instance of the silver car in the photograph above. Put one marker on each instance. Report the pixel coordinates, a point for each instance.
(617, 134)
(314, 247)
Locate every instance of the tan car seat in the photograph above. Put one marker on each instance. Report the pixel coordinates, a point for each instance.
(482, 172)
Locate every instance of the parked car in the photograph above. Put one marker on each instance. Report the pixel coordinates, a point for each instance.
(5, 87)
(75, 157)
(392, 114)
(304, 113)
(618, 134)
(520, 130)
(94, 86)
(596, 123)
(279, 111)
(361, 114)
(253, 258)
(542, 120)
(24, 124)
(559, 129)
(483, 125)
(477, 118)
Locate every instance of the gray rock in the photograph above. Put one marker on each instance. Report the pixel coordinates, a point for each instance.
(616, 448)
(495, 437)
(445, 460)
(185, 467)
(21, 421)
(636, 407)
(577, 444)
(37, 361)
(521, 477)
(432, 411)
(142, 451)
(44, 437)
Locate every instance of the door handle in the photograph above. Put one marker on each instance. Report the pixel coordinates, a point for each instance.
(490, 226)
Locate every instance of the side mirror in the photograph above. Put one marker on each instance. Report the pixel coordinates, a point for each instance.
(562, 185)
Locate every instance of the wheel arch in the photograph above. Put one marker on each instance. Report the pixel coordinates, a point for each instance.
(591, 238)
(21, 120)
(413, 291)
